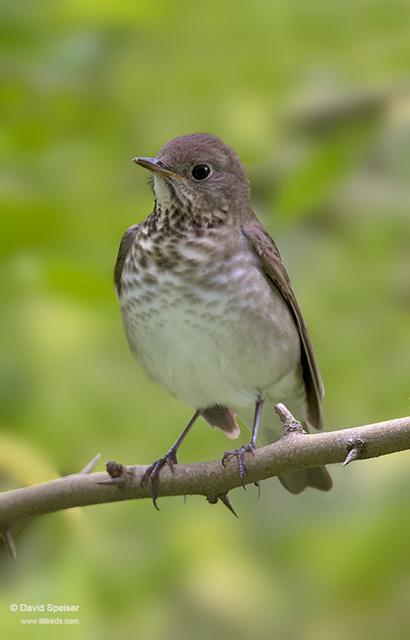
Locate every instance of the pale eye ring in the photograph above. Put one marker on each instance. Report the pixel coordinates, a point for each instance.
(200, 172)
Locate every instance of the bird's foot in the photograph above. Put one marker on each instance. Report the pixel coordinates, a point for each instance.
(153, 471)
(239, 454)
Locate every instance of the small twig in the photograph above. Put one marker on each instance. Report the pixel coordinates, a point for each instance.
(290, 424)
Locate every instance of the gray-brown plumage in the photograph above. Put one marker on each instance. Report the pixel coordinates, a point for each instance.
(207, 304)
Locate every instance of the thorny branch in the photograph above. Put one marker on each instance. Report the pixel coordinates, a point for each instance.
(295, 450)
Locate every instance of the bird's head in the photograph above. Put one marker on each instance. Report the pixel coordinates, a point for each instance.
(199, 174)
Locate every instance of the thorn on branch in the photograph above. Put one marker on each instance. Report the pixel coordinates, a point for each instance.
(92, 464)
(19, 505)
(290, 424)
(9, 543)
(258, 486)
(223, 497)
(355, 447)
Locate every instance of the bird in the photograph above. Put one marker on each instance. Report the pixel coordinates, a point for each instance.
(208, 307)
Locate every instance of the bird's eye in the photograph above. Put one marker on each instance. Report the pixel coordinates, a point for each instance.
(200, 171)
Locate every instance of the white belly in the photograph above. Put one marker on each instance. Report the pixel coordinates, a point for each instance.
(212, 344)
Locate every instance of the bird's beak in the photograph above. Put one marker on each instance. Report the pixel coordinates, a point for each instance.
(154, 165)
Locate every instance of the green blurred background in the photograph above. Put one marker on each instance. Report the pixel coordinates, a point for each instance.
(312, 95)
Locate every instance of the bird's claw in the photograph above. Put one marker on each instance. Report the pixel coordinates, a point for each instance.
(152, 473)
(239, 454)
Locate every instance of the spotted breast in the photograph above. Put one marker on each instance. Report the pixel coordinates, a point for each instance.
(191, 303)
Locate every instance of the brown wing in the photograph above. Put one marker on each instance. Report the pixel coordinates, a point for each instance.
(125, 245)
(271, 262)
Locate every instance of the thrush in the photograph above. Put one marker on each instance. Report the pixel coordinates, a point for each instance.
(208, 307)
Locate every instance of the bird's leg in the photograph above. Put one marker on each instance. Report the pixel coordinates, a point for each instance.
(239, 454)
(170, 458)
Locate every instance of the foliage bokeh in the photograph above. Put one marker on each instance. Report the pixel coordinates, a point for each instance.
(312, 96)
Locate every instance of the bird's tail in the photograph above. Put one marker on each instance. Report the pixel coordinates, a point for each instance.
(297, 481)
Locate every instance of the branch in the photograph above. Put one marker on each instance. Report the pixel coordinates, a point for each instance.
(294, 451)
(331, 112)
